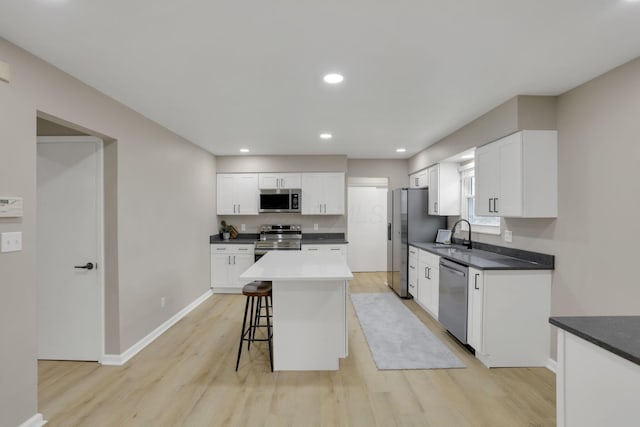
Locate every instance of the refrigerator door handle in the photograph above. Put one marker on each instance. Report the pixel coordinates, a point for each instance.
(388, 231)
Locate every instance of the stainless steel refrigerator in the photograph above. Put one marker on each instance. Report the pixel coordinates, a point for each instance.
(409, 222)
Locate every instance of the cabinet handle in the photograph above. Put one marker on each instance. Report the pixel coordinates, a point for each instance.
(490, 210)
(429, 276)
(221, 249)
(475, 285)
(412, 267)
(243, 249)
(335, 249)
(229, 260)
(495, 205)
(234, 260)
(417, 184)
(435, 207)
(238, 208)
(312, 249)
(425, 272)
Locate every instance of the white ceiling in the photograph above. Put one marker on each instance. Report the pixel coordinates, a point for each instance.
(230, 74)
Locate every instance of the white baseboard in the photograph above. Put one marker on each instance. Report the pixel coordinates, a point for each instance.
(121, 359)
(552, 365)
(35, 421)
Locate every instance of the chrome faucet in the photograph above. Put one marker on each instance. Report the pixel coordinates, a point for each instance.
(453, 229)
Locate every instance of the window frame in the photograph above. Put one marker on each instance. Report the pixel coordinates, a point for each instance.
(467, 192)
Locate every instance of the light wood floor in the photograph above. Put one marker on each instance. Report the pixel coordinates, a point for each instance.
(187, 378)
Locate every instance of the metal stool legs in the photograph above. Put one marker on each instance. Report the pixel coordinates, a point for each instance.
(248, 334)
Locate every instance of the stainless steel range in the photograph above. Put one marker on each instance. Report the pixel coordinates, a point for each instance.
(278, 237)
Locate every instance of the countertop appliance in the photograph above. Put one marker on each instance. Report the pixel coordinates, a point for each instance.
(452, 309)
(279, 201)
(407, 211)
(278, 237)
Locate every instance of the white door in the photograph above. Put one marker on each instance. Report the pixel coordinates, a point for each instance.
(246, 194)
(69, 197)
(367, 229)
(312, 189)
(225, 201)
(334, 193)
(434, 190)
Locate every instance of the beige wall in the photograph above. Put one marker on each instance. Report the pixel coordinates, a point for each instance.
(594, 236)
(520, 112)
(396, 170)
(250, 164)
(231, 164)
(165, 212)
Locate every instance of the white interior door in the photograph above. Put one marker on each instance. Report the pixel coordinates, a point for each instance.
(69, 179)
(367, 229)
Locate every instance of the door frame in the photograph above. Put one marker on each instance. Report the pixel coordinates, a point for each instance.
(99, 223)
(376, 182)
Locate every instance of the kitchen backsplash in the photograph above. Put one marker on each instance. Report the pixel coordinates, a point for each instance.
(326, 224)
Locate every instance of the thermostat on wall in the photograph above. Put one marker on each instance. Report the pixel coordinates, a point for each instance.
(10, 207)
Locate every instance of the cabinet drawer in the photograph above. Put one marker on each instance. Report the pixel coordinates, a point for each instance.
(429, 258)
(232, 249)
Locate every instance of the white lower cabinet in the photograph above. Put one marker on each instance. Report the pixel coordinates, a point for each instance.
(337, 248)
(594, 387)
(508, 316)
(428, 281)
(228, 262)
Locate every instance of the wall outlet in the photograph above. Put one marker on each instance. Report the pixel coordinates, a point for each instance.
(243, 227)
(162, 302)
(508, 236)
(315, 227)
(11, 241)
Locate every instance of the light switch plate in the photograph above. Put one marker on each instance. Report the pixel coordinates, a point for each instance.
(508, 236)
(11, 241)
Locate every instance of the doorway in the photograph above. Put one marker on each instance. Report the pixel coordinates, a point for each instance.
(70, 248)
(367, 224)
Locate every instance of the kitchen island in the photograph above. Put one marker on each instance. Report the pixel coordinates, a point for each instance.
(309, 308)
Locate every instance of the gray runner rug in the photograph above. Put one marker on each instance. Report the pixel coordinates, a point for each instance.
(396, 337)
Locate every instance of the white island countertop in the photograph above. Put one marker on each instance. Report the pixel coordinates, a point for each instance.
(295, 265)
(310, 293)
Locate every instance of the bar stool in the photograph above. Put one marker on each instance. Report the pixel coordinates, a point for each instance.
(260, 290)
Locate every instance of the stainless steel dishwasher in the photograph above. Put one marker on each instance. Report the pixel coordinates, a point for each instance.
(452, 310)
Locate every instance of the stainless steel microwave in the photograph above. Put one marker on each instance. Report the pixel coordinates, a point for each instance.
(279, 201)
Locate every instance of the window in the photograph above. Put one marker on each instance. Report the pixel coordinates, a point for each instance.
(481, 224)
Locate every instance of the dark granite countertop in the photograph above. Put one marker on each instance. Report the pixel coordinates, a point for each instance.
(618, 334)
(242, 239)
(323, 238)
(307, 239)
(489, 257)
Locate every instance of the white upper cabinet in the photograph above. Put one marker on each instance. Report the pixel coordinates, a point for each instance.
(323, 193)
(280, 181)
(419, 179)
(237, 194)
(444, 189)
(517, 176)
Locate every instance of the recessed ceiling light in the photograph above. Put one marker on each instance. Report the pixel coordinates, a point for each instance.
(244, 150)
(401, 150)
(326, 136)
(333, 78)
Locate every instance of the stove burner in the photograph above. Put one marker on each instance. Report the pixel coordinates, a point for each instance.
(278, 237)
